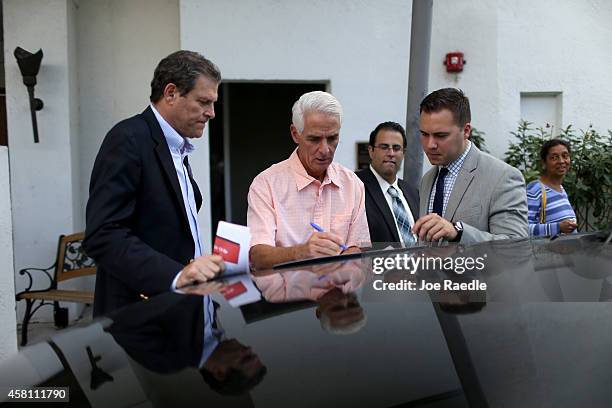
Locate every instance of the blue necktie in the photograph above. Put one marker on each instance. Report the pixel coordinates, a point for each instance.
(401, 216)
(438, 204)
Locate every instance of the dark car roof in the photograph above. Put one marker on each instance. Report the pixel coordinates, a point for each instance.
(539, 335)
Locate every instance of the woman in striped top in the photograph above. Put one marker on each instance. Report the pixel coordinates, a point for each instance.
(550, 211)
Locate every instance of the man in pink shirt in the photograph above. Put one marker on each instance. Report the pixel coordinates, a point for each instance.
(307, 188)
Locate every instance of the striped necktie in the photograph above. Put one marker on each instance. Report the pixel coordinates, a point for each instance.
(401, 216)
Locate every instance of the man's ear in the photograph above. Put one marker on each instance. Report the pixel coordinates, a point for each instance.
(467, 130)
(170, 93)
(370, 152)
(295, 135)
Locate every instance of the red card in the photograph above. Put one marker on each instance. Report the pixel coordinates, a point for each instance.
(233, 290)
(228, 250)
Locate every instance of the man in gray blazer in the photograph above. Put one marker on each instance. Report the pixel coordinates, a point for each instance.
(468, 196)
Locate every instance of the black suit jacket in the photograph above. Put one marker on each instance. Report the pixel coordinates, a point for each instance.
(380, 218)
(137, 228)
(164, 334)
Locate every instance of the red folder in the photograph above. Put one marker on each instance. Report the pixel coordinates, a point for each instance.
(228, 250)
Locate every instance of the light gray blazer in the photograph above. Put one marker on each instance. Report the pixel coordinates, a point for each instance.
(489, 198)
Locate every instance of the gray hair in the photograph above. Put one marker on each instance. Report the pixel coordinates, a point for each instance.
(182, 68)
(315, 101)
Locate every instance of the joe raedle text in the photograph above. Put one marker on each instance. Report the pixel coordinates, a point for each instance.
(446, 284)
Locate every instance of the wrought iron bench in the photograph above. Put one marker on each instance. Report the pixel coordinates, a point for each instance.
(71, 262)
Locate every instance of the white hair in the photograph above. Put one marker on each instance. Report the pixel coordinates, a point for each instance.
(315, 101)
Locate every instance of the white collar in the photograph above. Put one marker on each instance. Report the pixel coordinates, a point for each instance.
(384, 184)
(176, 142)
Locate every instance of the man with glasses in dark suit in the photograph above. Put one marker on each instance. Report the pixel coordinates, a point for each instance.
(391, 205)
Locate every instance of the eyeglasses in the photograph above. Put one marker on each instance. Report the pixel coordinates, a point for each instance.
(556, 157)
(395, 148)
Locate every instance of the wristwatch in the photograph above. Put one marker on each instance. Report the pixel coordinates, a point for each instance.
(459, 228)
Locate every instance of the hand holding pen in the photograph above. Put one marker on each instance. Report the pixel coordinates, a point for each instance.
(321, 243)
(319, 229)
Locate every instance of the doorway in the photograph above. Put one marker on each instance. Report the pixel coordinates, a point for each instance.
(249, 134)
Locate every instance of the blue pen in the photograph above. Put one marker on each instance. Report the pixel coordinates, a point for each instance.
(315, 226)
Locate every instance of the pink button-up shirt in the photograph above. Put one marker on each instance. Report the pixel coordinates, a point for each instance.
(284, 200)
(292, 286)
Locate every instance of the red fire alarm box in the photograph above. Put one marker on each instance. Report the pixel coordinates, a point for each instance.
(454, 62)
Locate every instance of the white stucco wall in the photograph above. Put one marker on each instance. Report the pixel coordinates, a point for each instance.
(360, 47)
(8, 333)
(564, 46)
(99, 57)
(526, 46)
(469, 27)
(120, 43)
(44, 190)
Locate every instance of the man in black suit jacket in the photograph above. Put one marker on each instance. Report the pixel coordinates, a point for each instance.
(166, 335)
(392, 211)
(142, 227)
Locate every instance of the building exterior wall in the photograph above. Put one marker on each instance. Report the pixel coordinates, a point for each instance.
(120, 43)
(98, 62)
(44, 191)
(526, 46)
(8, 326)
(360, 47)
(564, 46)
(469, 27)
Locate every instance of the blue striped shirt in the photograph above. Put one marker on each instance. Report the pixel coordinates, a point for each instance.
(180, 148)
(558, 208)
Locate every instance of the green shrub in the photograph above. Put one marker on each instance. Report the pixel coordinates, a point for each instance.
(477, 137)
